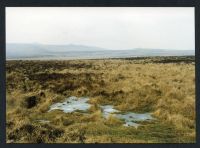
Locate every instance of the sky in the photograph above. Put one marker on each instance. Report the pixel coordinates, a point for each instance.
(114, 28)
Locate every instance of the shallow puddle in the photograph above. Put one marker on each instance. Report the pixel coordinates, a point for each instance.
(129, 118)
(42, 121)
(108, 110)
(73, 104)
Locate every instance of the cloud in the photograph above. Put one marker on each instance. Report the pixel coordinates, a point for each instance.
(107, 27)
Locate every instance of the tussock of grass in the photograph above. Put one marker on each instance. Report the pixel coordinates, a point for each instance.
(113, 121)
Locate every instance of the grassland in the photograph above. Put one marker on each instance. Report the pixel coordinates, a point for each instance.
(163, 86)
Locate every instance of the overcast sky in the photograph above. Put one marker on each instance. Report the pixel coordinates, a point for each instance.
(112, 28)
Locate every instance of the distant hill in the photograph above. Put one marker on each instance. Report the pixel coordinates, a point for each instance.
(71, 51)
(30, 50)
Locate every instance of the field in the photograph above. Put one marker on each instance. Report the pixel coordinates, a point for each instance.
(162, 86)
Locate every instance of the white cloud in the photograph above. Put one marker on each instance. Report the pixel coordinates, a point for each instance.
(108, 27)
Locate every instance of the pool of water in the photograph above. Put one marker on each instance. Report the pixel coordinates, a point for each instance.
(108, 110)
(129, 118)
(73, 104)
(42, 121)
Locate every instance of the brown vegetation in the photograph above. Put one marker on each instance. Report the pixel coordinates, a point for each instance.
(164, 86)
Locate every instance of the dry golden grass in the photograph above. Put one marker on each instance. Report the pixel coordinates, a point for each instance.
(164, 86)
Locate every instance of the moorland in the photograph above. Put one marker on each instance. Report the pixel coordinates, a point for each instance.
(161, 86)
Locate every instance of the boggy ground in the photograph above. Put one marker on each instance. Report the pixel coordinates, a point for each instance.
(163, 86)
